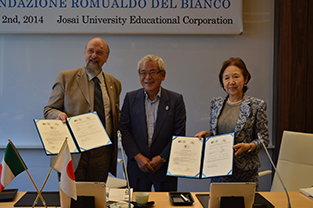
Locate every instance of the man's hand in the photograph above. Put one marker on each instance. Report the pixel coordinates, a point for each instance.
(144, 163)
(63, 117)
(156, 163)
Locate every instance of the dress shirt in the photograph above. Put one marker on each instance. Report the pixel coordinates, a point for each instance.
(151, 114)
(106, 103)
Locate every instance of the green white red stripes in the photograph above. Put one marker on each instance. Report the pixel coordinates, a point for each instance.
(10, 167)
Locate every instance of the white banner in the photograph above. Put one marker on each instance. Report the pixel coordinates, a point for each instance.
(121, 16)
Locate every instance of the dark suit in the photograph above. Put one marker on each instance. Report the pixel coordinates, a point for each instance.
(72, 93)
(171, 120)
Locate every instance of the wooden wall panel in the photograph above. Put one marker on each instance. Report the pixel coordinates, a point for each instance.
(293, 74)
(309, 91)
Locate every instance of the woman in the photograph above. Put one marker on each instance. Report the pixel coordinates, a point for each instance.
(242, 114)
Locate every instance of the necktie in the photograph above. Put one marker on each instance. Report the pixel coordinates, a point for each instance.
(98, 101)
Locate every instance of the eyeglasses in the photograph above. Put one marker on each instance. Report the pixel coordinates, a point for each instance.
(151, 73)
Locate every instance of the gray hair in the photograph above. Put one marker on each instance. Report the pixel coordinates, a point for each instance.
(151, 57)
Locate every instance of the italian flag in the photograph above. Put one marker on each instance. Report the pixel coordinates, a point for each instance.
(10, 167)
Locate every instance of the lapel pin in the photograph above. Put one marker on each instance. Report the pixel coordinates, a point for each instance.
(166, 108)
(111, 87)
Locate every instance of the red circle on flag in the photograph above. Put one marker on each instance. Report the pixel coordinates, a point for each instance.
(70, 170)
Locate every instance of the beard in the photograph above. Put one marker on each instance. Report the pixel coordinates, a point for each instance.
(93, 70)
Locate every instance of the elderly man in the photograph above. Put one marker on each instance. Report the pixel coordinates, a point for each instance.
(76, 92)
(150, 117)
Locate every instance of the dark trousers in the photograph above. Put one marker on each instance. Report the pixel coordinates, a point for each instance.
(94, 165)
(145, 184)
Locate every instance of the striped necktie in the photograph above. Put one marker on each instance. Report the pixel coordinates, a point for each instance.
(98, 101)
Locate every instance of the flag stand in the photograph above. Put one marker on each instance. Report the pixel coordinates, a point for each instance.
(44, 183)
(43, 201)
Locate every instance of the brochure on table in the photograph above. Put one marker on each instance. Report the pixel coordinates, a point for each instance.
(307, 191)
(84, 132)
(201, 158)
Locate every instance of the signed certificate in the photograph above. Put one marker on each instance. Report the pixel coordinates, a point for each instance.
(185, 157)
(209, 157)
(88, 131)
(218, 156)
(84, 132)
(52, 133)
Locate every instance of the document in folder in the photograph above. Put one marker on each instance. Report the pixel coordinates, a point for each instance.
(195, 158)
(84, 132)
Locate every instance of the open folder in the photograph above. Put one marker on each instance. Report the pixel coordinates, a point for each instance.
(195, 158)
(84, 132)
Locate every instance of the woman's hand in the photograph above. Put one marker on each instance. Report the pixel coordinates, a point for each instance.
(243, 147)
(203, 134)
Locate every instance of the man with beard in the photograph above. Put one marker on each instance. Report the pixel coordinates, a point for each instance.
(73, 94)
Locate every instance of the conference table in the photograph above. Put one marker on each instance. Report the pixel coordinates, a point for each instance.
(162, 200)
(278, 199)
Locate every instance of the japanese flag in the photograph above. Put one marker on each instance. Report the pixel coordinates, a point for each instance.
(64, 165)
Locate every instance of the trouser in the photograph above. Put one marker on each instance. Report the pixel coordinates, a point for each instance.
(94, 165)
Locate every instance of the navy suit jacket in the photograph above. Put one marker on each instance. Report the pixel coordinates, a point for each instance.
(171, 120)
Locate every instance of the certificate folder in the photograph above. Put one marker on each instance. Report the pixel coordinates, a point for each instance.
(84, 132)
(205, 158)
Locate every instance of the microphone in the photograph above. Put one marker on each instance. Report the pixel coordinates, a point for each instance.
(281, 181)
(124, 166)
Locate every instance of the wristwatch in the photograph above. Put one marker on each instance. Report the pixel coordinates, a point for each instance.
(163, 160)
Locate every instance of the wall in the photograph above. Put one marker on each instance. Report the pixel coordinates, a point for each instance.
(293, 68)
(29, 64)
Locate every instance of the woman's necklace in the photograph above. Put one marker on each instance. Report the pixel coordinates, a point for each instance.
(234, 103)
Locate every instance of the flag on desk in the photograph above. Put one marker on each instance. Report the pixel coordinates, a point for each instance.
(11, 166)
(64, 165)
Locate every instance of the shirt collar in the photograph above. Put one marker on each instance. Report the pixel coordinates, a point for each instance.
(158, 95)
(100, 77)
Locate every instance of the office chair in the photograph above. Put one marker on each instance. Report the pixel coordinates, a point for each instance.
(295, 162)
(265, 172)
